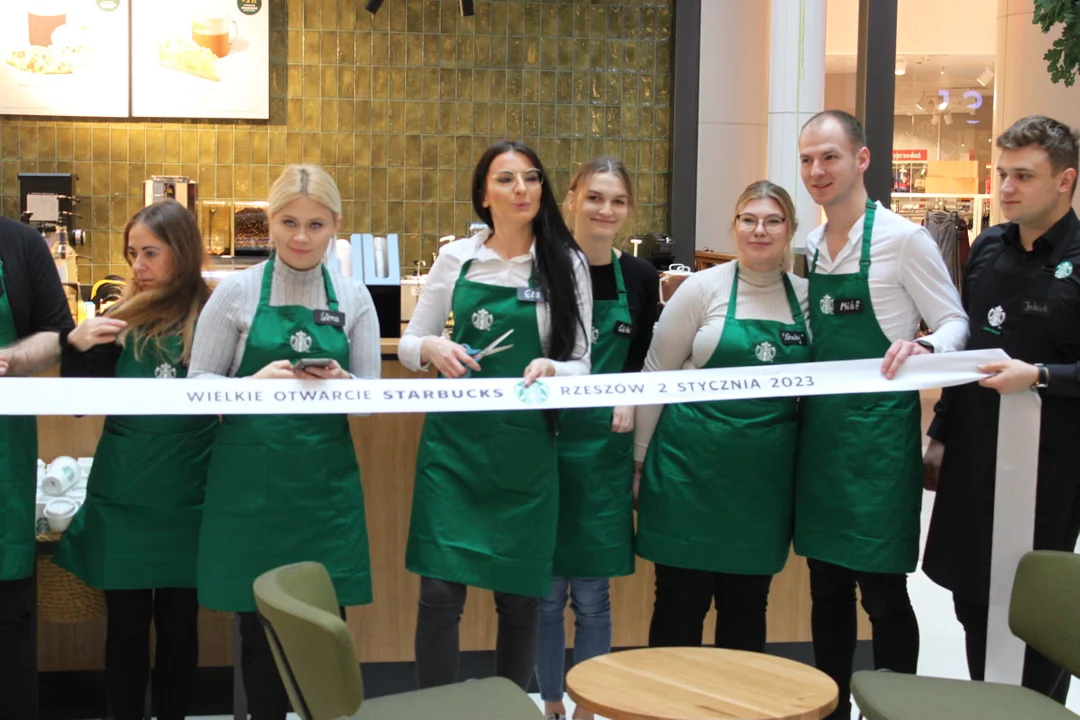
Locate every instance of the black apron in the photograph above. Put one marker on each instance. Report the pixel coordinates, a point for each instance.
(1008, 309)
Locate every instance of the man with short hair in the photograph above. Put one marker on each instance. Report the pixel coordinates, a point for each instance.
(1022, 292)
(858, 492)
(33, 311)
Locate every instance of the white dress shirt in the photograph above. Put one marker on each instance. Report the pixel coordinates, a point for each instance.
(692, 323)
(488, 267)
(908, 279)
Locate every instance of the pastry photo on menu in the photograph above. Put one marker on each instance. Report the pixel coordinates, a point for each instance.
(210, 36)
(48, 37)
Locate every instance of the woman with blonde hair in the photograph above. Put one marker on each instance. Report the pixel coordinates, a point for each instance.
(595, 540)
(718, 478)
(285, 488)
(137, 534)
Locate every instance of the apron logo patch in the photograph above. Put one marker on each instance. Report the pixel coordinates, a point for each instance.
(164, 371)
(1034, 307)
(595, 334)
(827, 305)
(791, 337)
(996, 316)
(1063, 270)
(534, 394)
(300, 342)
(624, 328)
(849, 307)
(765, 352)
(482, 319)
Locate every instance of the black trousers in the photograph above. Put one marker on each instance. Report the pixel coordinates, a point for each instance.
(18, 649)
(438, 650)
(684, 597)
(267, 698)
(175, 613)
(833, 623)
(1040, 674)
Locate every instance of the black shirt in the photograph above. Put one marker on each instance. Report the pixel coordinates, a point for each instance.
(38, 302)
(1061, 326)
(643, 296)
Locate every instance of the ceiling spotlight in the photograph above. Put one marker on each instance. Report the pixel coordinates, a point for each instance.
(372, 6)
(466, 7)
(942, 105)
(986, 77)
(901, 66)
(942, 70)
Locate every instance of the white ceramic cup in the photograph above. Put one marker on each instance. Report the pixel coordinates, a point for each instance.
(59, 512)
(62, 474)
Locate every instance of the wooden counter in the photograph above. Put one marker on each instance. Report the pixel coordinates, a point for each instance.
(383, 631)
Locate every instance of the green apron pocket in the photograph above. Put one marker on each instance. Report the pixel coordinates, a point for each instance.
(873, 444)
(238, 482)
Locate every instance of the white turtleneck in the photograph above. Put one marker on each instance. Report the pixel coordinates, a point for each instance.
(222, 331)
(692, 322)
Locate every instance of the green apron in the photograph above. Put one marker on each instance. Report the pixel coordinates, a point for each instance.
(596, 465)
(139, 526)
(283, 488)
(18, 472)
(858, 490)
(718, 482)
(486, 499)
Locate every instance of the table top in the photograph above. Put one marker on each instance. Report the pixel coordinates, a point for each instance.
(700, 684)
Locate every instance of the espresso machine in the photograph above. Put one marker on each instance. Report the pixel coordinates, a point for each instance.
(47, 203)
(180, 188)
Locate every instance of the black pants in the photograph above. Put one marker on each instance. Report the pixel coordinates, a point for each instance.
(833, 623)
(267, 698)
(438, 648)
(175, 613)
(18, 649)
(683, 599)
(1040, 674)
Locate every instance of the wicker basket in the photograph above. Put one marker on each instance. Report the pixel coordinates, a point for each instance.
(62, 597)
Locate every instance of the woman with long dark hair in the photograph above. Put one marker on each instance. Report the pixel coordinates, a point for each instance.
(136, 537)
(485, 505)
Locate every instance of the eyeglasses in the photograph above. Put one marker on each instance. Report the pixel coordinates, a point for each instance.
(533, 178)
(774, 224)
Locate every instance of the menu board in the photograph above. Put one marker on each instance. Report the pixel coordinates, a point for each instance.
(64, 57)
(200, 59)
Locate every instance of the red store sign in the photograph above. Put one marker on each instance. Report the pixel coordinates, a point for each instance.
(909, 155)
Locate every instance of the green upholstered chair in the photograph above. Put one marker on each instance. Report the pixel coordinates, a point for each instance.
(315, 656)
(1044, 612)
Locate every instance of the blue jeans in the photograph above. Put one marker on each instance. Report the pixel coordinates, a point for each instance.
(591, 604)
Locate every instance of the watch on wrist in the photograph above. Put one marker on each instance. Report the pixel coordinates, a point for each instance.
(1044, 377)
(926, 344)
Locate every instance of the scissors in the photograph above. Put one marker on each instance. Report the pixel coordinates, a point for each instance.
(491, 349)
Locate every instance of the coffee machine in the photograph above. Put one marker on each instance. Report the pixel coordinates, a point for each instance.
(47, 203)
(180, 188)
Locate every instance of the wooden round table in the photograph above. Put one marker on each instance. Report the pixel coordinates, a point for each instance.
(700, 684)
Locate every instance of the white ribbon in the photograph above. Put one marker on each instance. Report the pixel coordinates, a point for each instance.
(1017, 460)
(248, 396)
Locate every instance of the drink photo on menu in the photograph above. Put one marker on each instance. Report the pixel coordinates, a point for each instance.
(208, 54)
(64, 57)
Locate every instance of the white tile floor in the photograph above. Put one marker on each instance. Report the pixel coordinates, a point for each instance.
(941, 652)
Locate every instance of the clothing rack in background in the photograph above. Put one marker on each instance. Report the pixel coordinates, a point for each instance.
(954, 221)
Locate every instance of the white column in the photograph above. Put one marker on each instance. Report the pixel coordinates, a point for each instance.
(1022, 83)
(796, 92)
(732, 113)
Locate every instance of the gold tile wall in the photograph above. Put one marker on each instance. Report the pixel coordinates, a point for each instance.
(398, 107)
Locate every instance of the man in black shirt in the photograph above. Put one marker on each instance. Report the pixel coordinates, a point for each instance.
(33, 311)
(1022, 294)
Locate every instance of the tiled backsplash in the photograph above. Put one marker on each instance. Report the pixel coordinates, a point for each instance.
(397, 106)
